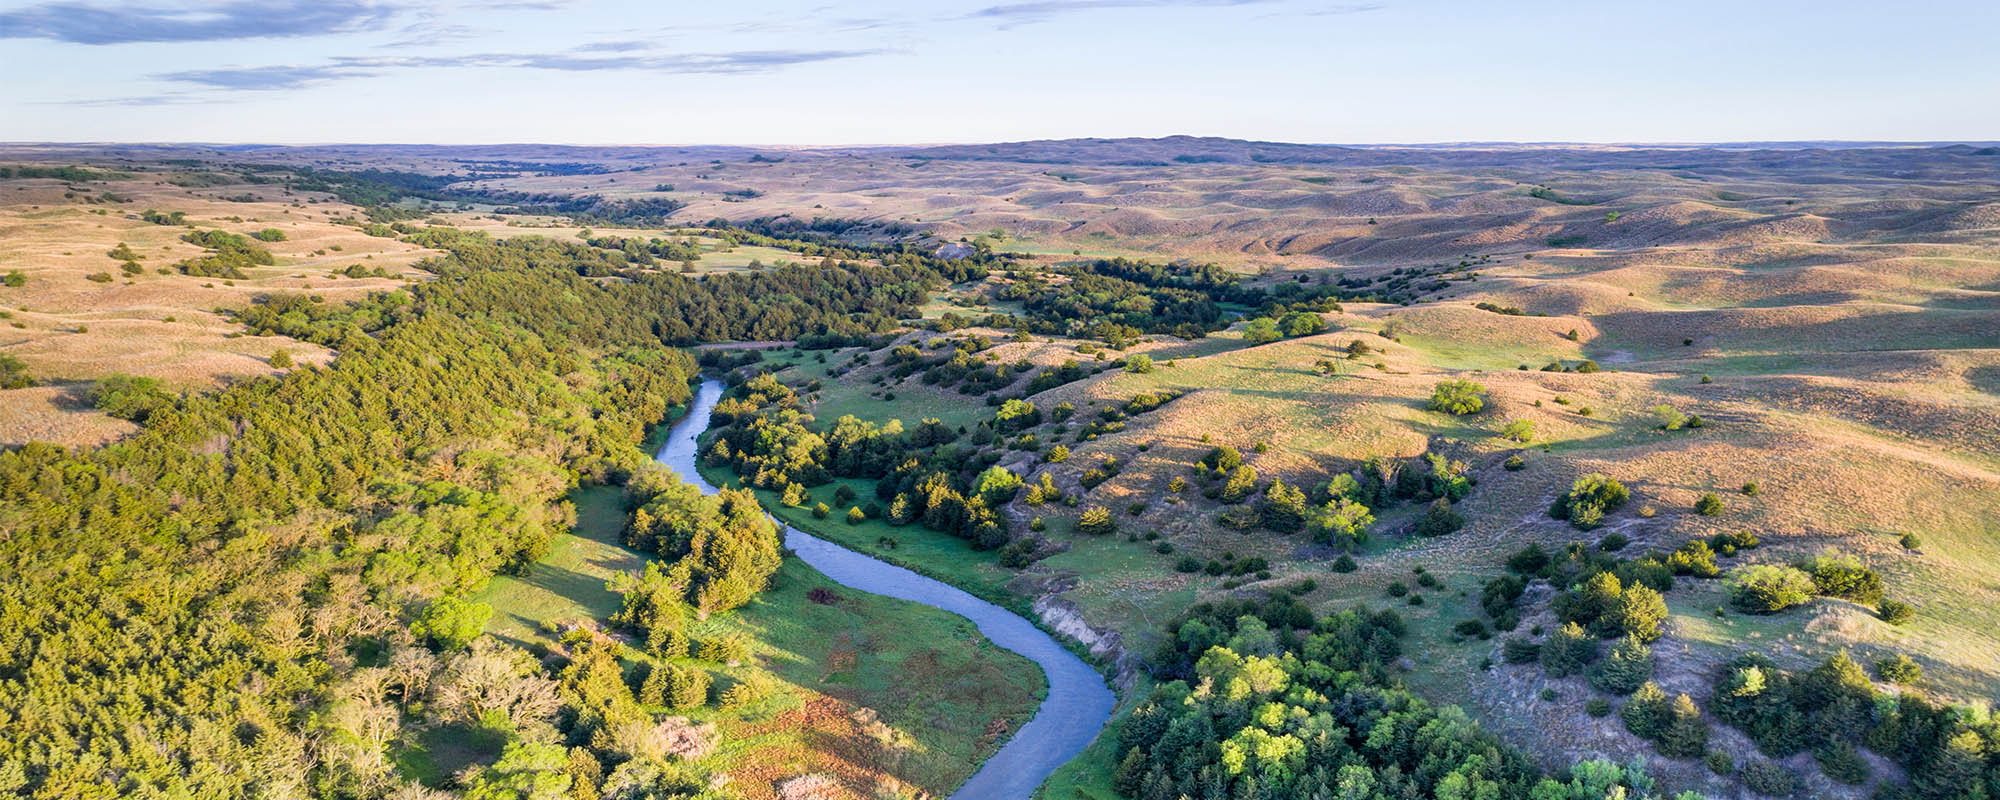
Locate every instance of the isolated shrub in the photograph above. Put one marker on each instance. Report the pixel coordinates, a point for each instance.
(856, 516)
(1458, 397)
(1752, 489)
(821, 510)
(1344, 563)
(1096, 521)
(1671, 419)
(1911, 541)
(1221, 460)
(1514, 463)
(281, 360)
(1896, 612)
(1709, 505)
(1139, 364)
(1719, 763)
(1597, 707)
(1899, 669)
(1520, 430)
(1590, 497)
(14, 373)
(1187, 564)
(1768, 588)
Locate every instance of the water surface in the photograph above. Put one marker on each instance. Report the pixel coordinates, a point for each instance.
(1078, 703)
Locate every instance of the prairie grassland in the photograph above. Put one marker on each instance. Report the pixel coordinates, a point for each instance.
(70, 329)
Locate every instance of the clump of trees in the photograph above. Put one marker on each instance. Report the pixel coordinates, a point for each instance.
(1833, 710)
(229, 254)
(1258, 698)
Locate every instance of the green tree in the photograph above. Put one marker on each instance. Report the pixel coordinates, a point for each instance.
(1767, 588)
(129, 397)
(1459, 397)
(525, 771)
(1283, 508)
(1686, 734)
(281, 360)
(1568, 650)
(1647, 713)
(1240, 484)
(1262, 330)
(1629, 664)
(1709, 505)
(1096, 521)
(1439, 519)
(1139, 363)
(452, 623)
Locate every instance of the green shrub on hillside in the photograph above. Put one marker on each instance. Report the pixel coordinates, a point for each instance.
(1458, 397)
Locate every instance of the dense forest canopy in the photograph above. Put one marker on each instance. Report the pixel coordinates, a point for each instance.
(185, 610)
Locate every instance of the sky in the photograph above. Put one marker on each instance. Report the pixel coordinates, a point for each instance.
(891, 71)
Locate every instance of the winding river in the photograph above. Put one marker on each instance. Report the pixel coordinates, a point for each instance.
(1078, 702)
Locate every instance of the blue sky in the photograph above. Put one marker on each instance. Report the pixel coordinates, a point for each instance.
(888, 71)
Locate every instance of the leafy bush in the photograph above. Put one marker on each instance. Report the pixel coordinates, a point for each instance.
(1096, 521)
(1139, 364)
(1709, 505)
(14, 373)
(1768, 588)
(1837, 574)
(1899, 669)
(1439, 519)
(1458, 397)
(1896, 612)
(1671, 419)
(1589, 499)
(452, 623)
